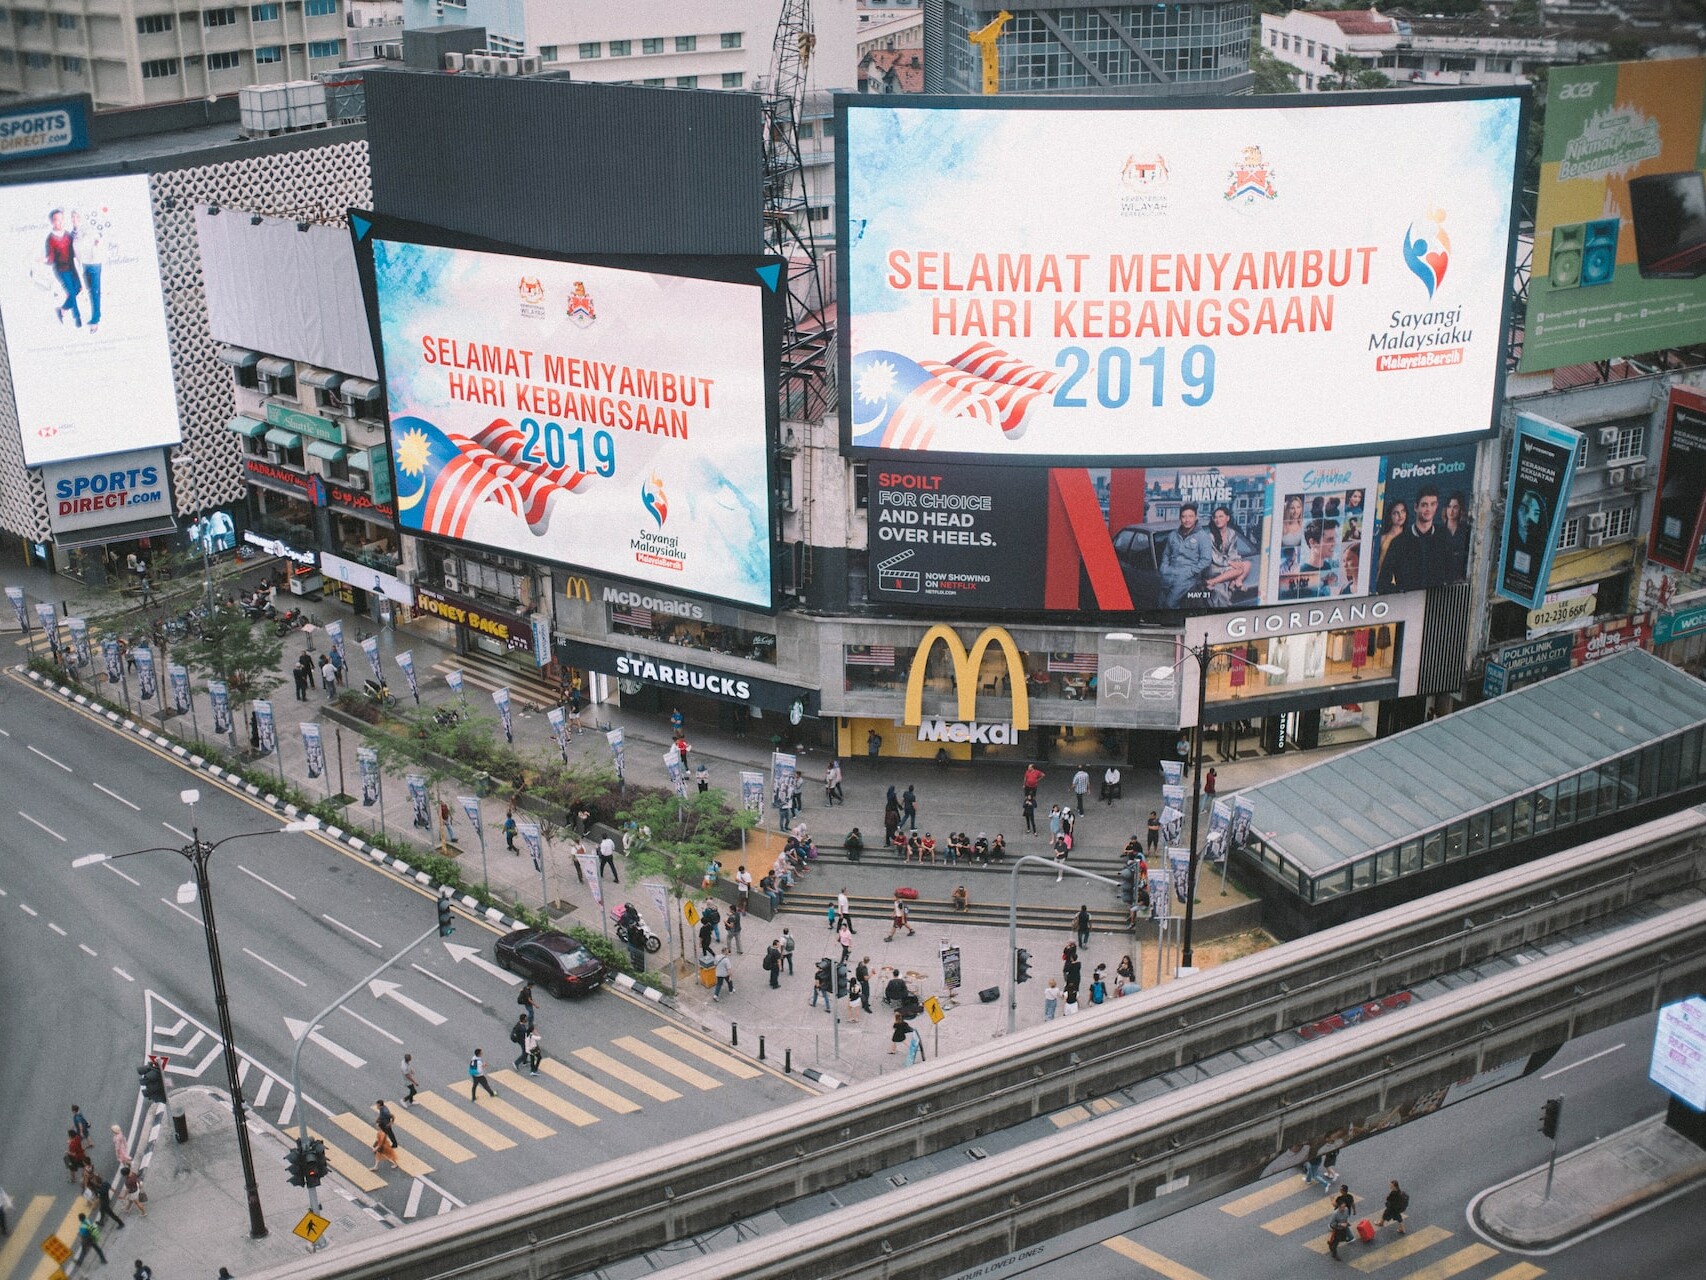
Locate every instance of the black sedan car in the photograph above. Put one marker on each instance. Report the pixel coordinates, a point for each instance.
(553, 960)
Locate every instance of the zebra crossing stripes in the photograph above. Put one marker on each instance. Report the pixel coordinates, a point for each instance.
(479, 1130)
(627, 1075)
(727, 1063)
(363, 1131)
(666, 1064)
(588, 1088)
(518, 1084)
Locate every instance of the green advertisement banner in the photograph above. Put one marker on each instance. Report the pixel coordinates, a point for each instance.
(1620, 232)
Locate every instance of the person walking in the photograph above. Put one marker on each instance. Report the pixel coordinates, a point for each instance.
(104, 1198)
(518, 1037)
(1338, 1230)
(1208, 785)
(909, 808)
(1062, 843)
(1397, 1205)
(300, 678)
(121, 1148)
(130, 1192)
(1051, 1000)
(842, 916)
(773, 962)
(725, 975)
(143, 1271)
(732, 927)
(845, 938)
(823, 984)
(529, 1007)
(902, 1031)
(1033, 779)
(80, 1123)
(384, 1149)
(385, 1120)
(863, 973)
(410, 1079)
(89, 1236)
(328, 677)
(1081, 786)
(832, 785)
(607, 858)
(1071, 968)
(898, 921)
(477, 1076)
(534, 1050)
(76, 1157)
(1081, 925)
(1054, 823)
(891, 817)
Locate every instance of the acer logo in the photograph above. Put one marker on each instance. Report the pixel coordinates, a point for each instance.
(1573, 91)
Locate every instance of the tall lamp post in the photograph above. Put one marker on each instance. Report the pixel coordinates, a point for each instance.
(196, 853)
(1205, 658)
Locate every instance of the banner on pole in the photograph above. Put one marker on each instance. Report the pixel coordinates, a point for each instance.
(266, 736)
(501, 698)
(589, 870)
(1219, 827)
(313, 749)
(1243, 814)
(660, 897)
(530, 836)
(406, 660)
(79, 641)
(418, 801)
(370, 647)
(335, 637)
(454, 680)
(178, 679)
(1160, 894)
(115, 662)
(471, 807)
(752, 790)
(220, 697)
(144, 671)
(367, 759)
(616, 755)
(16, 596)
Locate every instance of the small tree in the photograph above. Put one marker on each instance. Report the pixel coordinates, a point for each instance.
(685, 835)
(1270, 75)
(233, 649)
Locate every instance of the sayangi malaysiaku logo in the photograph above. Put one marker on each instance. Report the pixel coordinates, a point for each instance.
(653, 499)
(1250, 181)
(1142, 183)
(1427, 249)
(532, 294)
(580, 308)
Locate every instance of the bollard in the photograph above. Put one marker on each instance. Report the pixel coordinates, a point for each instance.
(734, 1033)
(787, 1062)
(761, 1048)
(180, 1123)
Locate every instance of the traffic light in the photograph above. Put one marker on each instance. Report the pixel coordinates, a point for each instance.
(825, 979)
(446, 922)
(1128, 883)
(1021, 966)
(1550, 1115)
(841, 980)
(314, 1167)
(296, 1159)
(153, 1082)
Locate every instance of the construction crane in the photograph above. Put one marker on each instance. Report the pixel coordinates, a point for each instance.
(808, 338)
(984, 38)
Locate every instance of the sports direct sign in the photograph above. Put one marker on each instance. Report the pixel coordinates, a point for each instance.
(1115, 282)
(113, 489)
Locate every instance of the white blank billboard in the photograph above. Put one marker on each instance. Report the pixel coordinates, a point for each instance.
(1031, 279)
(81, 299)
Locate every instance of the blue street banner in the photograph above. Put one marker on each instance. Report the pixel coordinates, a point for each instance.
(454, 680)
(501, 698)
(49, 624)
(1219, 827)
(530, 837)
(266, 732)
(660, 897)
(1160, 893)
(370, 647)
(220, 697)
(677, 772)
(614, 737)
(335, 637)
(1172, 812)
(418, 801)
(1179, 865)
(471, 807)
(589, 872)
(406, 660)
(784, 778)
(1243, 814)
(367, 760)
(114, 660)
(752, 790)
(16, 596)
(79, 641)
(178, 680)
(144, 671)
(559, 729)
(1172, 773)
(313, 749)
(1543, 464)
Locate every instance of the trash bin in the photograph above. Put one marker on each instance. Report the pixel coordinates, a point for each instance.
(708, 975)
(482, 784)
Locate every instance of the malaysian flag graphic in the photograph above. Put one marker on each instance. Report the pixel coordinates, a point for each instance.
(1079, 664)
(454, 474)
(899, 403)
(870, 655)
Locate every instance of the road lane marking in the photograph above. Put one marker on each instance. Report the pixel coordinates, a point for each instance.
(26, 817)
(184, 835)
(265, 1091)
(1244, 1206)
(354, 933)
(296, 1027)
(1462, 1260)
(121, 973)
(1581, 1062)
(1297, 1219)
(739, 1068)
(546, 1100)
(414, 1204)
(44, 755)
(269, 884)
(67, 1232)
(363, 1177)
(24, 1227)
(27, 909)
(1521, 1271)
(459, 953)
(627, 1075)
(121, 875)
(589, 1089)
(422, 1132)
(269, 964)
(427, 973)
(86, 949)
(383, 990)
(363, 1131)
(1399, 1249)
(116, 796)
(479, 1130)
(663, 1062)
(372, 1026)
(1154, 1261)
(57, 929)
(195, 920)
(516, 1118)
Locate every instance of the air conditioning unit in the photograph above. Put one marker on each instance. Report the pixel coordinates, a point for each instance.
(455, 61)
(1638, 471)
(1596, 520)
(483, 64)
(1596, 539)
(452, 583)
(1608, 436)
(1616, 475)
(531, 65)
(505, 66)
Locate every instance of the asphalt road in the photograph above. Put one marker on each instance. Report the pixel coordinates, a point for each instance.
(103, 964)
(1278, 1226)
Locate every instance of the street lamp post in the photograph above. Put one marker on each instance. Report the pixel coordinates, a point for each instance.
(1013, 923)
(1205, 657)
(197, 853)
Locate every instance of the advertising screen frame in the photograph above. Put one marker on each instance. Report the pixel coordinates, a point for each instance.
(1550, 488)
(845, 103)
(745, 270)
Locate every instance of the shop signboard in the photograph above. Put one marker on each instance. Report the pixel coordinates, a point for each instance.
(512, 630)
(44, 129)
(308, 424)
(1680, 622)
(677, 673)
(1543, 463)
(1606, 638)
(114, 488)
(1525, 662)
(1681, 505)
(1678, 1063)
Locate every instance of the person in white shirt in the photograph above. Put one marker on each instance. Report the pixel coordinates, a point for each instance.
(1110, 785)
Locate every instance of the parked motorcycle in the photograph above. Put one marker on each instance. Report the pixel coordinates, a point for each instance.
(291, 620)
(632, 931)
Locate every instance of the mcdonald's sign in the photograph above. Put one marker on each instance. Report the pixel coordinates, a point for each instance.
(967, 664)
(576, 588)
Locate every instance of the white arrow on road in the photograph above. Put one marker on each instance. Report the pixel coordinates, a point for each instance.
(381, 989)
(332, 1047)
(459, 953)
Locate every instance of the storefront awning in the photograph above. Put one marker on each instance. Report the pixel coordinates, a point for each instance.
(245, 426)
(327, 450)
(274, 367)
(325, 379)
(238, 357)
(154, 527)
(361, 460)
(360, 389)
(283, 439)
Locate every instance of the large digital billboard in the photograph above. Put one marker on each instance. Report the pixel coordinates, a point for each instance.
(610, 414)
(81, 299)
(1620, 231)
(1195, 539)
(1089, 281)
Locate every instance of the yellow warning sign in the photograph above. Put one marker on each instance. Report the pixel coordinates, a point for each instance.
(56, 1248)
(312, 1226)
(933, 1007)
(691, 912)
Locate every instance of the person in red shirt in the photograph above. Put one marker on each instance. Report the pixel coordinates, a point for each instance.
(1033, 779)
(60, 254)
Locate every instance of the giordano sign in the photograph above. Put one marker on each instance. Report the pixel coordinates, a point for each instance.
(967, 664)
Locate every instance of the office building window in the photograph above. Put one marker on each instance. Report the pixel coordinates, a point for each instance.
(686, 44)
(152, 24)
(1570, 534)
(733, 79)
(861, 485)
(38, 61)
(1629, 444)
(591, 49)
(621, 48)
(224, 61)
(325, 48)
(269, 53)
(218, 17)
(656, 82)
(160, 69)
(547, 53)
(731, 39)
(319, 8)
(807, 129)
(64, 21)
(263, 13)
(71, 66)
(652, 44)
(1619, 523)
(686, 82)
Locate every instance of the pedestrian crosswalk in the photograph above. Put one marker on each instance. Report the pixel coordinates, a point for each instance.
(1290, 1209)
(32, 1221)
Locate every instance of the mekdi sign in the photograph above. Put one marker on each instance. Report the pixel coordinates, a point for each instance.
(967, 663)
(672, 674)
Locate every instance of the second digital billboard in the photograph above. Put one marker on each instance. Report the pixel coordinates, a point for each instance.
(610, 415)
